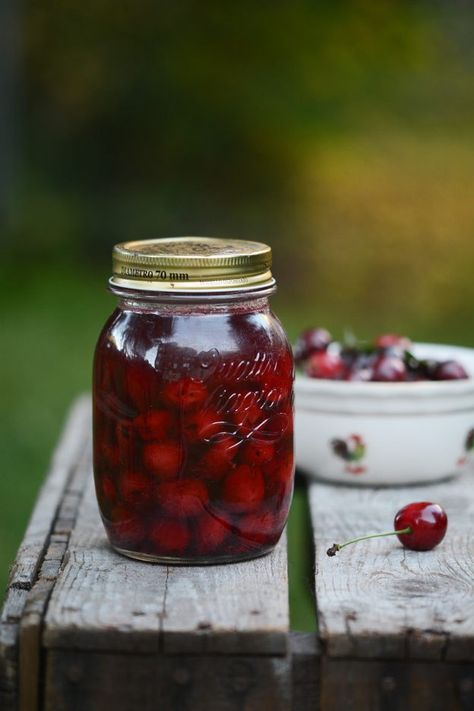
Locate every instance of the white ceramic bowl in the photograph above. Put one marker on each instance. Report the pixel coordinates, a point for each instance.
(387, 433)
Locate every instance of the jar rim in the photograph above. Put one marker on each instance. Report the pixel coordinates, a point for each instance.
(191, 296)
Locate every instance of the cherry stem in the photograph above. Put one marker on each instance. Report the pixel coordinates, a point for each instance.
(337, 546)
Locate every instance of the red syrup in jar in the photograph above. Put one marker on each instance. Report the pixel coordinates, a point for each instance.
(193, 431)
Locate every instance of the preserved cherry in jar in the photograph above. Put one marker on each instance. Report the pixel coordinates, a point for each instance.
(193, 404)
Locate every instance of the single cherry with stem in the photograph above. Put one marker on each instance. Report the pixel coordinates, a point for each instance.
(419, 526)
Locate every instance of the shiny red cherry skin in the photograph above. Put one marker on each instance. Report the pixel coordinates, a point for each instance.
(428, 523)
(258, 452)
(325, 365)
(202, 426)
(170, 536)
(163, 459)
(394, 341)
(182, 498)
(211, 531)
(389, 369)
(244, 489)
(135, 488)
(127, 529)
(155, 424)
(450, 370)
(312, 340)
(217, 461)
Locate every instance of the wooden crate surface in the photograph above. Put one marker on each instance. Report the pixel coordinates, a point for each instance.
(85, 628)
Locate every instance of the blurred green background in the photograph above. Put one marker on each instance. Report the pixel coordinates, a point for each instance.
(341, 133)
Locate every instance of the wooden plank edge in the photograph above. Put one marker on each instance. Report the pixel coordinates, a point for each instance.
(97, 681)
(33, 548)
(32, 621)
(71, 442)
(357, 685)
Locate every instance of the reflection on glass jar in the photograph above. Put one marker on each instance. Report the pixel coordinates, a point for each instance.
(193, 406)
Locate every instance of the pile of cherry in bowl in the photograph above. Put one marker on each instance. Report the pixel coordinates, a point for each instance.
(388, 359)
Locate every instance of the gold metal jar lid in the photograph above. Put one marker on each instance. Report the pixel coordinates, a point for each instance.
(192, 264)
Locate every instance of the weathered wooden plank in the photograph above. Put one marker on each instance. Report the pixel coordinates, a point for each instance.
(35, 543)
(305, 671)
(390, 686)
(233, 609)
(378, 599)
(11, 613)
(104, 601)
(71, 444)
(9, 665)
(77, 680)
(31, 623)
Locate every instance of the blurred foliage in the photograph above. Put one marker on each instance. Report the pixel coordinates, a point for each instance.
(340, 132)
(155, 118)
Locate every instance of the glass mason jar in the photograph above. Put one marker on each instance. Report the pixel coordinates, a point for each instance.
(193, 403)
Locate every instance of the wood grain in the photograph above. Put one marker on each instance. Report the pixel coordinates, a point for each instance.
(233, 609)
(34, 546)
(78, 680)
(31, 624)
(64, 461)
(9, 621)
(84, 627)
(378, 599)
(102, 600)
(351, 685)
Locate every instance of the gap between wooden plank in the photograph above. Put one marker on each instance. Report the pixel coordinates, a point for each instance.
(301, 561)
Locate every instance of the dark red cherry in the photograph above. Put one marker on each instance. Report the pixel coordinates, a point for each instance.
(106, 490)
(155, 424)
(169, 536)
(260, 527)
(163, 459)
(245, 410)
(211, 531)
(450, 370)
(202, 425)
(183, 497)
(258, 452)
(216, 462)
(126, 529)
(310, 341)
(325, 365)
(138, 381)
(427, 523)
(419, 526)
(135, 488)
(243, 489)
(394, 341)
(389, 369)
